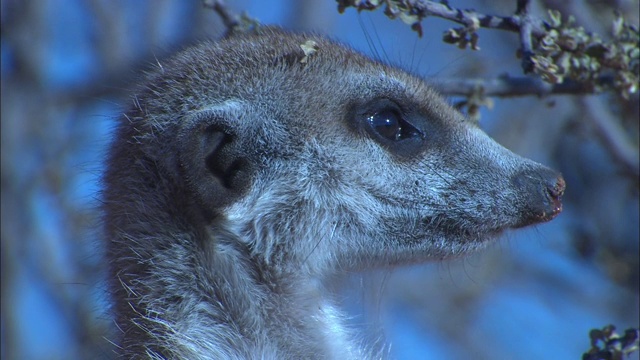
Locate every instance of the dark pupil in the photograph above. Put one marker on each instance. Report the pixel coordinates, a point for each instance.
(387, 124)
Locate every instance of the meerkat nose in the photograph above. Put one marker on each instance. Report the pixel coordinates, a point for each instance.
(555, 190)
(541, 192)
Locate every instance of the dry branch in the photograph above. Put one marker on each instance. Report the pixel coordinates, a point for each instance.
(506, 86)
(556, 50)
(423, 8)
(229, 18)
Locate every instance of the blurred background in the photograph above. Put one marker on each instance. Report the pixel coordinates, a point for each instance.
(66, 67)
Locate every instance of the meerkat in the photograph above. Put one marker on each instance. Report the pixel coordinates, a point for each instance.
(251, 169)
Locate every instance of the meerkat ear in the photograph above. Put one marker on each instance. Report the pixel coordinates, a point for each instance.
(213, 163)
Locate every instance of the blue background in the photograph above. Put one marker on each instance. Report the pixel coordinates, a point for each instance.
(66, 67)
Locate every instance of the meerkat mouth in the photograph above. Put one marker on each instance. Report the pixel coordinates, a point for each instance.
(462, 231)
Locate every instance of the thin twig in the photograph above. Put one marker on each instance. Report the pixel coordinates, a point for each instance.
(466, 17)
(425, 8)
(229, 18)
(505, 86)
(525, 35)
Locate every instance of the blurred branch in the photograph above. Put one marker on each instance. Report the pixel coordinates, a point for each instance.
(605, 125)
(506, 86)
(525, 35)
(229, 19)
(613, 137)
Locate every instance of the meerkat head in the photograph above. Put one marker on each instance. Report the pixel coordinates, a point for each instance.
(319, 158)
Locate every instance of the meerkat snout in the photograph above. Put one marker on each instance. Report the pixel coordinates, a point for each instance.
(544, 189)
(251, 169)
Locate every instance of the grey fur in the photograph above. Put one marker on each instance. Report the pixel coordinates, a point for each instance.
(246, 173)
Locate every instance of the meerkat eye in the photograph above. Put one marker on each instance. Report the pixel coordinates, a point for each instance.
(390, 125)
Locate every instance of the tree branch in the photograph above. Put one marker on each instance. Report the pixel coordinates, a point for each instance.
(425, 8)
(525, 35)
(505, 86)
(467, 17)
(555, 50)
(229, 18)
(612, 136)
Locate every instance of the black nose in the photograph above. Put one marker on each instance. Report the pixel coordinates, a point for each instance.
(540, 192)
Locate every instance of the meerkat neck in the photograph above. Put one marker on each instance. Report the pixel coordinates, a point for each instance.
(201, 291)
(288, 312)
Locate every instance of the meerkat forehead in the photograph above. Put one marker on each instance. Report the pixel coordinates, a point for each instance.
(276, 69)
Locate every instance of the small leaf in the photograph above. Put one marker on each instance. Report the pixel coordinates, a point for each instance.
(451, 36)
(556, 18)
(417, 27)
(617, 25)
(408, 19)
(474, 41)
